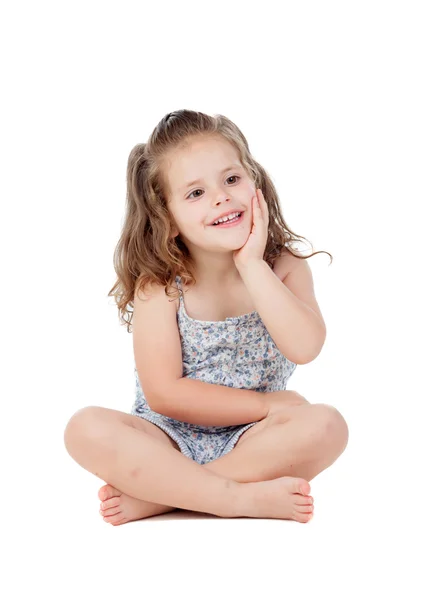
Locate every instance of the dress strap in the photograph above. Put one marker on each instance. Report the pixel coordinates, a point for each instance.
(179, 286)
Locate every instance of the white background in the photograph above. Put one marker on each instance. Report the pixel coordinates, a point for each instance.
(342, 102)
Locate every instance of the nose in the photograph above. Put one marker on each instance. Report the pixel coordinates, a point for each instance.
(222, 197)
(222, 201)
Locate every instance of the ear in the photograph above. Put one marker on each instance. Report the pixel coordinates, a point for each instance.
(174, 232)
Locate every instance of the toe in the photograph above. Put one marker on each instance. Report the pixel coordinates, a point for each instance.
(114, 519)
(105, 492)
(306, 509)
(108, 491)
(119, 522)
(302, 517)
(111, 503)
(297, 485)
(110, 512)
(302, 500)
(305, 487)
(301, 486)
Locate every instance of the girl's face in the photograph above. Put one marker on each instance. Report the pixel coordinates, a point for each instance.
(206, 180)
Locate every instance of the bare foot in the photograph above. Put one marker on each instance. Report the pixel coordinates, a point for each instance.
(281, 498)
(118, 508)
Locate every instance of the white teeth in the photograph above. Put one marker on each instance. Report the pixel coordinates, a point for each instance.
(227, 218)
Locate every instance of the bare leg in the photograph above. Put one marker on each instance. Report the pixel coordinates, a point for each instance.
(300, 442)
(294, 442)
(107, 447)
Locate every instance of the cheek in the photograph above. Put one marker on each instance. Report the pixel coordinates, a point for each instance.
(249, 189)
(194, 216)
(247, 184)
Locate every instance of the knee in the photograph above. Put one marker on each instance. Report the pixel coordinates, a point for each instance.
(333, 427)
(81, 426)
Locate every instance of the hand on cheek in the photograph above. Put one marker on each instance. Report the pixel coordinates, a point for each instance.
(254, 247)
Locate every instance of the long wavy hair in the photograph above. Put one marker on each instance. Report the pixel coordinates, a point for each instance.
(147, 251)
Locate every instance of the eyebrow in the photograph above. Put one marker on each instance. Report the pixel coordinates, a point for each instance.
(233, 166)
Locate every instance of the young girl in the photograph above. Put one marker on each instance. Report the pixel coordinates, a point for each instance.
(213, 428)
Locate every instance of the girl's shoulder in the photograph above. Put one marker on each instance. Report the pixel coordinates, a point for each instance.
(283, 264)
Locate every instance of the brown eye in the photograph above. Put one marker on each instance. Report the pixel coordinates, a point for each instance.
(199, 190)
(189, 195)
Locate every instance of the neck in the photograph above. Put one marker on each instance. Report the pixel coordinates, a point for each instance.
(217, 270)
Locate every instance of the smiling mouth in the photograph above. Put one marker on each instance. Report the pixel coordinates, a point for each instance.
(230, 223)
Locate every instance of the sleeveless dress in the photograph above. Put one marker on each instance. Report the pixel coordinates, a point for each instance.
(237, 352)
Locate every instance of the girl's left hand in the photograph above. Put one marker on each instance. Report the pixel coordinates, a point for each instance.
(254, 247)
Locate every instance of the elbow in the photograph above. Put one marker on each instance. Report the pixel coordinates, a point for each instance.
(156, 405)
(308, 356)
(304, 360)
(156, 401)
(161, 403)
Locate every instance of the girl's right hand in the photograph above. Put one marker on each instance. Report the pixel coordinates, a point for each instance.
(277, 401)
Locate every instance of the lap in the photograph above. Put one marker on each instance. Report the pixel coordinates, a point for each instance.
(281, 416)
(102, 414)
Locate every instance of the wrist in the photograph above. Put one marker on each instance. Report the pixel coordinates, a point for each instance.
(250, 264)
(265, 403)
(251, 269)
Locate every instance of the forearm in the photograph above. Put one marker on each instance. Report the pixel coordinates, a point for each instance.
(294, 327)
(208, 404)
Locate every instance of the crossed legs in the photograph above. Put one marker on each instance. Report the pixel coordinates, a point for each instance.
(300, 442)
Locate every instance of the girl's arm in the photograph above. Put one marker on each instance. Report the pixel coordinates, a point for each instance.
(288, 308)
(209, 404)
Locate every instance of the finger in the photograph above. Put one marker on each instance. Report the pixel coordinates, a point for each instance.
(259, 214)
(262, 200)
(254, 207)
